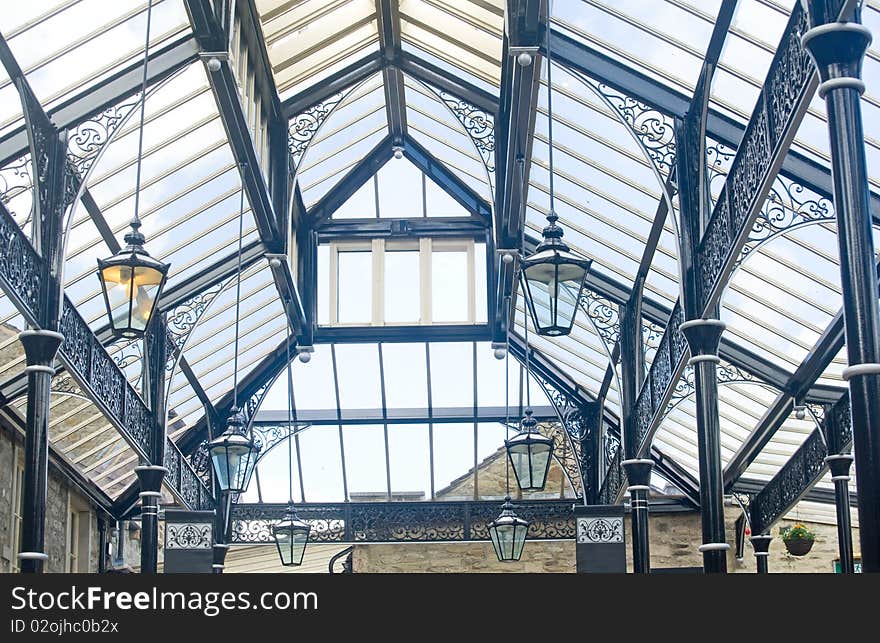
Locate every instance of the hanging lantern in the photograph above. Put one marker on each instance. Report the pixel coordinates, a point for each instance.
(234, 456)
(554, 278)
(132, 282)
(291, 536)
(508, 533)
(530, 454)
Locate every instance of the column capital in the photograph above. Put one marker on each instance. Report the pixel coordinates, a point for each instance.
(40, 347)
(150, 477)
(838, 49)
(840, 465)
(761, 544)
(703, 337)
(638, 473)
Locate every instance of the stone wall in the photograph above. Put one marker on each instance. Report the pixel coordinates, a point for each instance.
(675, 538)
(61, 495)
(555, 556)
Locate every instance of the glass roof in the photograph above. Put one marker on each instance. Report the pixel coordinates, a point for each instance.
(609, 179)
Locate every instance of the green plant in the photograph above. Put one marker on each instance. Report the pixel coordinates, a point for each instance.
(797, 531)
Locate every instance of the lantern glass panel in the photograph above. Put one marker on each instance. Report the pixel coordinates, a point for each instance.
(233, 463)
(291, 540)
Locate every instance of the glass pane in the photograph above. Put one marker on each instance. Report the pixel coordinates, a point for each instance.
(360, 205)
(357, 368)
(449, 291)
(452, 383)
(354, 287)
(406, 385)
(439, 204)
(400, 190)
(454, 461)
(322, 464)
(365, 463)
(402, 293)
(409, 459)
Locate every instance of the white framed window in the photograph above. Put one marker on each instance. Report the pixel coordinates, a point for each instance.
(79, 534)
(384, 282)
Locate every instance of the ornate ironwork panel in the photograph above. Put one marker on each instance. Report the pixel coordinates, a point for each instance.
(128, 355)
(781, 98)
(102, 380)
(613, 484)
(182, 318)
(305, 125)
(401, 521)
(19, 266)
(654, 130)
(86, 139)
(789, 205)
(802, 471)
(737, 207)
(480, 126)
(604, 315)
(188, 535)
(16, 190)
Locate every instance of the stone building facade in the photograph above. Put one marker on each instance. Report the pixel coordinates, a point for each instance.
(72, 529)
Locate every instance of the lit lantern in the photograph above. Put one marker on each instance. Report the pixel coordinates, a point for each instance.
(132, 282)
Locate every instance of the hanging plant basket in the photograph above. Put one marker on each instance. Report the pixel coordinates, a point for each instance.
(798, 546)
(798, 539)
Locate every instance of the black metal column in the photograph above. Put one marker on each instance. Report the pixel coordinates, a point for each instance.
(762, 551)
(840, 466)
(40, 348)
(150, 478)
(703, 336)
(638, 474)
(638, 471)
(838, 49)
(222, 511)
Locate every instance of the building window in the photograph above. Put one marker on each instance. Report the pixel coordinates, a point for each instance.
(79, 534)
(402, 282)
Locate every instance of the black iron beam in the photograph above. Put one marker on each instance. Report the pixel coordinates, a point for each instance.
(388, 14)
(392, 334)
(211, 37)
(581, 57)
(355, 417)
(514, 135)
(441, 79)
(351, 182)
(455, 227)
(447, 179)
(108, 92)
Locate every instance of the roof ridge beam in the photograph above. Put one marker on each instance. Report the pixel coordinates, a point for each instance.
(388, 16)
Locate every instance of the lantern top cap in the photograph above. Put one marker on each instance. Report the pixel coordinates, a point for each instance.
(528, 422)
(292, 520)
(508, 515)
